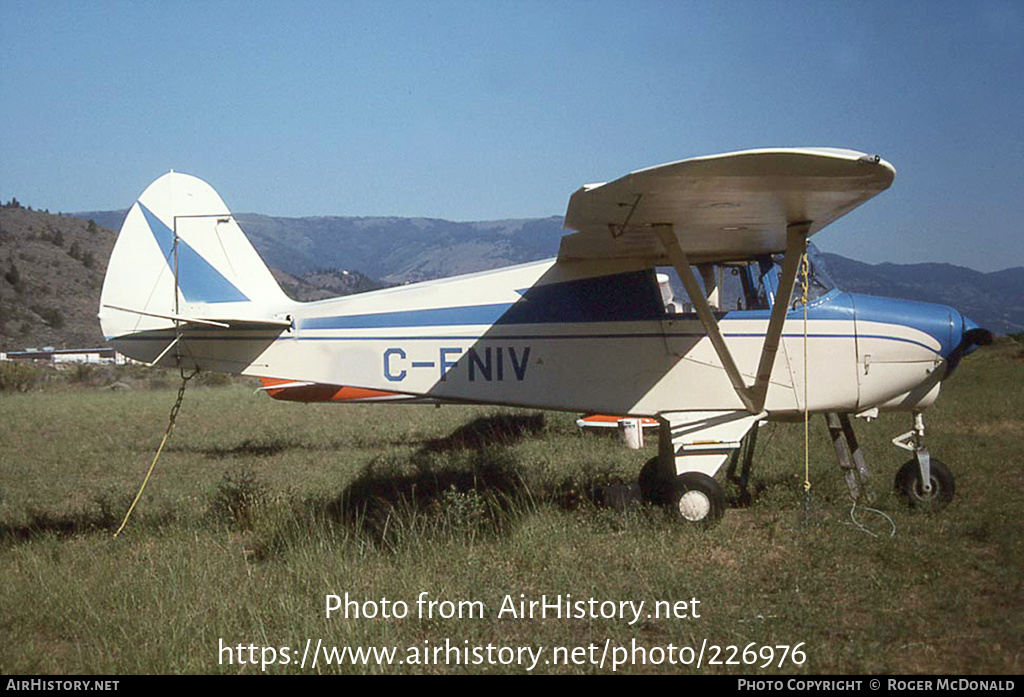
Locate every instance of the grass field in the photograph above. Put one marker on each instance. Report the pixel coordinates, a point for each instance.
(259, 509)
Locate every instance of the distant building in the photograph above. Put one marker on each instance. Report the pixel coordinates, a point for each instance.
(50, 354)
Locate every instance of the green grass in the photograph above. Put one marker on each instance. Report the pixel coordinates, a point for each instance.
(259, 509)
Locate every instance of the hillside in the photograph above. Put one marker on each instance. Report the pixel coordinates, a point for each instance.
(52, 266)
(51, 273)
(395, 250)
(401, 250)
(318, 285)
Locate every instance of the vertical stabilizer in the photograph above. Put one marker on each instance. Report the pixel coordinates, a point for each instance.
(180, 253)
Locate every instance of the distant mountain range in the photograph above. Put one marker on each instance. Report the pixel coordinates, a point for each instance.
(51, 266)
(394, 250)
(993, 300)
(402, 250)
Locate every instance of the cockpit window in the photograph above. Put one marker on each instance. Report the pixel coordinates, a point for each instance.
(749, 285)
(733, 286)
(819, 282)
(750, 291)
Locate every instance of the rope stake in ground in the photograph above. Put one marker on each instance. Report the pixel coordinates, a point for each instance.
(167, 433)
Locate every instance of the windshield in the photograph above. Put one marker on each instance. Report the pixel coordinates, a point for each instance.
(819, 282)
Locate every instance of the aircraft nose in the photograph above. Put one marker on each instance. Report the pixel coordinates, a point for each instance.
(942, 323)
(954, 335)
(971, 337)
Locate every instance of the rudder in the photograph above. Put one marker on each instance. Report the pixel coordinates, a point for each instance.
(181, 254)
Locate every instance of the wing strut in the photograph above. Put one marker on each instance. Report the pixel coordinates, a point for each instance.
(796, 246)
(753, 397)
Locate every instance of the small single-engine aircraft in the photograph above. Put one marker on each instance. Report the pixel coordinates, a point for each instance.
(589, 331)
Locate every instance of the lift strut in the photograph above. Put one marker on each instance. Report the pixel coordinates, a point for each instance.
(752, 396)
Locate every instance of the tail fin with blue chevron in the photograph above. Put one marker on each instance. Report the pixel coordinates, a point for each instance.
(182, 272)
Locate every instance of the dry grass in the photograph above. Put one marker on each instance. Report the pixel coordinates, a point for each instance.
(259, 509)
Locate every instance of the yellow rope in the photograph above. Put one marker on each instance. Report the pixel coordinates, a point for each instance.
(807, 445)
(170, 427)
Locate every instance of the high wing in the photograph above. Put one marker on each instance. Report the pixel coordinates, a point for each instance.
(721, 207)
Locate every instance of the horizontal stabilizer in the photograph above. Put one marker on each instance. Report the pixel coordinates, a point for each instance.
(221, 322)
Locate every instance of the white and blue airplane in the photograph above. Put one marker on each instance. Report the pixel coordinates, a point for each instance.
(590, 330)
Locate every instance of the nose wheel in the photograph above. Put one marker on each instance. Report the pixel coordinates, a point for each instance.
(910, 485)
(924, 483)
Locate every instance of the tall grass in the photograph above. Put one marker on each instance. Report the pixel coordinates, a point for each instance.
(260, 509)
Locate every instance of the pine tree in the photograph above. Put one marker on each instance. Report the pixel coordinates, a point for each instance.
(13, 276)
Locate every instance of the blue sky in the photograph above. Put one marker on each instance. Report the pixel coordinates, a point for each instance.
(487, 110)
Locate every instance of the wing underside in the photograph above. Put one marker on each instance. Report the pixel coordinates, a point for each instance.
(721, 207)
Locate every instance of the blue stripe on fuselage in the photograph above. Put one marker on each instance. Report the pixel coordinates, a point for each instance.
(628, 297)
(634, 297)
(937, 321)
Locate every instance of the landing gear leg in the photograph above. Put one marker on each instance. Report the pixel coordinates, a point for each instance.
(746, 453)
(851, 457)
(924, 482)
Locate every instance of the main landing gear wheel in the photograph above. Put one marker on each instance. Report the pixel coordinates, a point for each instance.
(697, 498)
(652, 489)
(910, 489)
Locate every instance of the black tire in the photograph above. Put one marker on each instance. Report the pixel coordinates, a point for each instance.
(652, 488)
(909, 488)
(697, 498)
